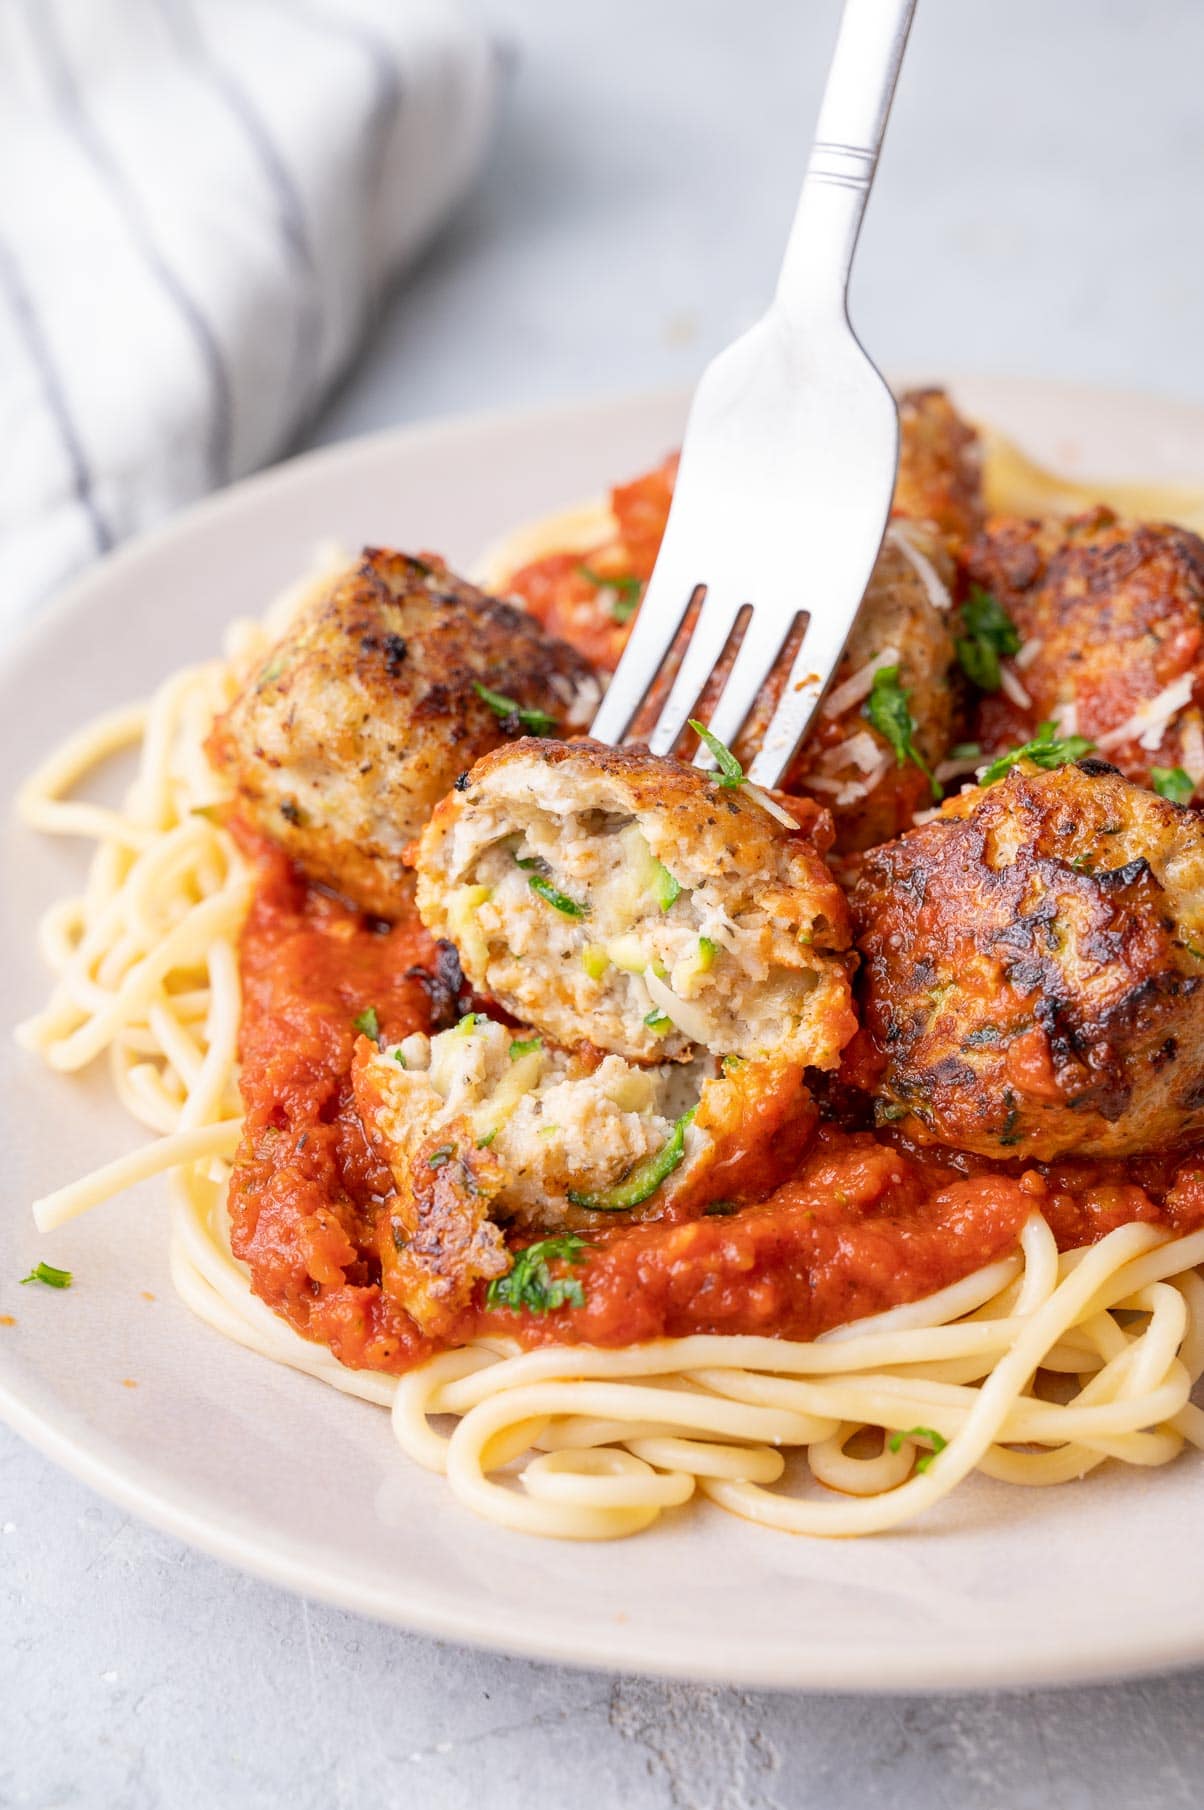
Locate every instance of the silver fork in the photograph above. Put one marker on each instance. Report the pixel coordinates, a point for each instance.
(790, 452)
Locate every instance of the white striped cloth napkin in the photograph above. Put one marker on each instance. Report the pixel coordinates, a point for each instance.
(200, 204)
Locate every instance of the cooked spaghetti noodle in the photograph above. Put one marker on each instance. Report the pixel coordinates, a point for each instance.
(1032, 1370)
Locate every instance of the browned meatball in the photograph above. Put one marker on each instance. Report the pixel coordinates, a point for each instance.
(1033, 980)
(1110, 615)
(940, 465)
(366, 712)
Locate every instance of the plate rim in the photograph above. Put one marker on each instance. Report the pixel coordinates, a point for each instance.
(105, 1467)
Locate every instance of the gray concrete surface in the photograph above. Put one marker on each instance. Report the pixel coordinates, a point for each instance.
(1038, 212)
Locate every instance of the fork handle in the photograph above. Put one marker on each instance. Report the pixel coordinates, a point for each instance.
(848, 137)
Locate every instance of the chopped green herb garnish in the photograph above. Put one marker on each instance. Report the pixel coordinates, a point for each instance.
(707, 951)
(965, 751)
(656, 1020)
(721, 1209)
(1192, 948)
(644, 1179)
(625, 592)
(525, 1046)
(551, 895)
(988, 632)
(1172, 783)
(444, 1154)
(484, 1143)
(1046, 750)
(468, 1024)
(399, 1059)
(887, 1111)
(665, 887)
(887, 710)
(46, 1272)
(530, 1285)
(936, 1440)
(367, 1022)
(730, 773)
(538, 722)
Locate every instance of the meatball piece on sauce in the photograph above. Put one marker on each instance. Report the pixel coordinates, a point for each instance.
(1110, 615)
(608, 894)
(365, 712)
(1033, 978)
(484, 1125)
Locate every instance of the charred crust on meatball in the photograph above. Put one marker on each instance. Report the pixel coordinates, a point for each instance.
(1032, 967)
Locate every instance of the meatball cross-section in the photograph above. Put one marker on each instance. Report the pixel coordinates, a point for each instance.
(1033, 968)
(485, 1126)
(607, 894)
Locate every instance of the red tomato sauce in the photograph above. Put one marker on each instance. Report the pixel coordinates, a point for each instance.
(865, 1223)
(589, 599)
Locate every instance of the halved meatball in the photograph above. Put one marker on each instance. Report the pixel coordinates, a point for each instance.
(1110, 616)
(368, 708)
(484, 1125)
(1033, 979)
(605, 893)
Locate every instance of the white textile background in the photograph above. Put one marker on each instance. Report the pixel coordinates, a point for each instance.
(201, 203)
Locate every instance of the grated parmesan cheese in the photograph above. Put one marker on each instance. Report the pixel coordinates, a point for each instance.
(954, 769)
(1151, 720)
(770, 806)
(857, 789)
(689, 1019)
(1027, 652)
(1011, 688)
(937, 591)
(1065, 717)
(860, 750)
(858, 685)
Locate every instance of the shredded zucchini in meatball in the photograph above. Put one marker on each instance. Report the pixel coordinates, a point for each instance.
(484, 1125)
(565, 1128)
(607, 892)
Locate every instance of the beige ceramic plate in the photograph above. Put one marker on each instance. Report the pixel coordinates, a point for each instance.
(272, 1471)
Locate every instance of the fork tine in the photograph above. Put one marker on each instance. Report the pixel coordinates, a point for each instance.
(814, 664)
(661, 615)
(711, 633)
(759, 653)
